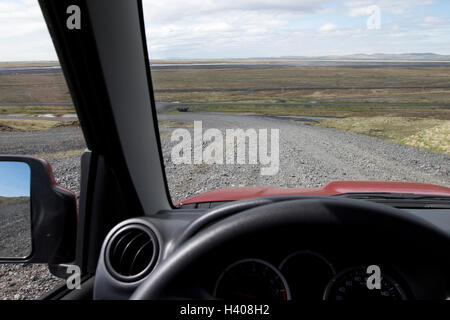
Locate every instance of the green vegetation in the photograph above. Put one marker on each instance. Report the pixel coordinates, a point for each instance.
(337, 111)
(430, 134)
(174, 124)
(36, 110)
(33, 125)
(406, 105)
(60, 154)
(435, 139)
(429, 85)
(11, 200)
(6, 64)
(34, 88)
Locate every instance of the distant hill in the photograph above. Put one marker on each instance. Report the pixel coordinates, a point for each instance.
(428, 56)
(10, 200)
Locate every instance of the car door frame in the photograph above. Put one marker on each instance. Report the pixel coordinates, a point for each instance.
(107, 70)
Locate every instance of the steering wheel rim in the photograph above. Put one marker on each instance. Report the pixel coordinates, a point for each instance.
(321, 211)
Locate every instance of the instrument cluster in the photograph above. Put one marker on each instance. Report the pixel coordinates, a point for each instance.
(305, 275)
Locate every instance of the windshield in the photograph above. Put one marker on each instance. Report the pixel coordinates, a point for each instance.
(299, 94)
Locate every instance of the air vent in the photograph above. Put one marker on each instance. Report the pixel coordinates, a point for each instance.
(132, 252)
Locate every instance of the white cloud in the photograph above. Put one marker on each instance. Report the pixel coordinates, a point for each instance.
(193, 24)
(359, 11)
(248, 28)
(357, 8)
(432, 20)
(23, 32)
(170, 11)
(328, 27)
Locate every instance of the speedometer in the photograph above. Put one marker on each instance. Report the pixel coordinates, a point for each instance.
(252, 279)
(351, 284)
(307, 273)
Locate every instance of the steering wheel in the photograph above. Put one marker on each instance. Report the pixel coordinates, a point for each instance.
(308, 212)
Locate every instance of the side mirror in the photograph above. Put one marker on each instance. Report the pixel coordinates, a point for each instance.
(38, 219)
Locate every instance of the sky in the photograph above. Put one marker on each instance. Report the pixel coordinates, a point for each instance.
(203, 29)
(15, 179)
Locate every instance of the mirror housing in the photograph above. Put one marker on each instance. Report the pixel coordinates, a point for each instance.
(53, 216)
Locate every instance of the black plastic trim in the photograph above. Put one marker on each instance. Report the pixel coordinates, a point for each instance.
(53, 216)
(152, 262)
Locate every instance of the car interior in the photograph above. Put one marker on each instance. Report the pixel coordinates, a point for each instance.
(132, 243)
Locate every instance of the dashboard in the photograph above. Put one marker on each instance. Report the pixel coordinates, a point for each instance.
(292, 262)
(317, 263)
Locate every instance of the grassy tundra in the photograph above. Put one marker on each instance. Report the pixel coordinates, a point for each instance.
(405, 105)
(409, 105)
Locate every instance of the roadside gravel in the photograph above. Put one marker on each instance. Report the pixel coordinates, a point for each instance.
(41, 142)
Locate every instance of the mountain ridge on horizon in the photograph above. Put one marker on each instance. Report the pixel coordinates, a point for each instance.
(416, 56)
(413, 56)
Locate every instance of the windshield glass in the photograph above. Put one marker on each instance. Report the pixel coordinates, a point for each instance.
(300, 93)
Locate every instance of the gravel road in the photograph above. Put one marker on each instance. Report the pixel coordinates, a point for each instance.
(309, 157)
(41, 142)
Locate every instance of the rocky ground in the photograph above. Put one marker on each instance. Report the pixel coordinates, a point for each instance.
(309, 157)
(15, 231)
